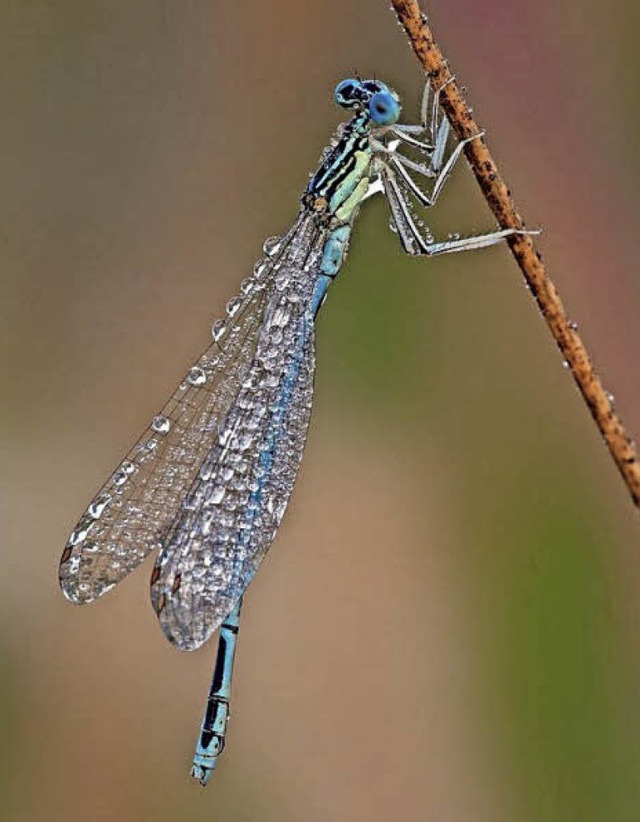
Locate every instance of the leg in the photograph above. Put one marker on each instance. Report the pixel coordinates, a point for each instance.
(424, 105)
(441, 143)
(471, 243)
(435, 108)
(438, 131)
(404, 133)
(435, 151)
(417, 245)
(214, 723)
(401, 164)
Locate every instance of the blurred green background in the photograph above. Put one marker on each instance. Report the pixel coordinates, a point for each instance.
(448, 625)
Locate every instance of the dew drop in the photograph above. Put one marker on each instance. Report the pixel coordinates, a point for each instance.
(246, 286)
(217, 495)
(196, 376)
(244, 441)
(225, 436)
(280, 317)
(272, 246)
(233, 306)
(161, 424)
(217, 330)
(259, 268)
(74, 564)
(282, 281)
(251, 382)
(97, 507)
(80, 534)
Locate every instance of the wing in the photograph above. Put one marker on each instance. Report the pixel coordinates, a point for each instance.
(234, 507)
(133, 511)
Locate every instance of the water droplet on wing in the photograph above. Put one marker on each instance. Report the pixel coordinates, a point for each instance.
(259, 268)
(98, 505)
(233, 305)
(272, 246)
(217, 330)
(196, 376)
(161, 424)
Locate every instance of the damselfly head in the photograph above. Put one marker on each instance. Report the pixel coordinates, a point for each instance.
(379, 101)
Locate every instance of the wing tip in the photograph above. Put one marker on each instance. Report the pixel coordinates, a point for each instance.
(78, 592)
(186, 634)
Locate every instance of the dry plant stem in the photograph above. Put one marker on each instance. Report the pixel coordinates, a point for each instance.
(522, 247)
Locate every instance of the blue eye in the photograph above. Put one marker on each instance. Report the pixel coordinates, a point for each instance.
(348, 93)
(384, 109)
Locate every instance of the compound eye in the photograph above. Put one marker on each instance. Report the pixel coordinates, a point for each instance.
(348, 93)
(384, 109)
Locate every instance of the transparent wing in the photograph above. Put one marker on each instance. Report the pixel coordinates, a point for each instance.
(234, 507)
(132, 512)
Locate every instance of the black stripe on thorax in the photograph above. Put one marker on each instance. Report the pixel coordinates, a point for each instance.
(341, 160)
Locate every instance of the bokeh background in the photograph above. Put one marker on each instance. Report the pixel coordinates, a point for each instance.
(447, 627)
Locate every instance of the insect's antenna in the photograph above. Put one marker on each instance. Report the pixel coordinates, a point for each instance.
(356, 74)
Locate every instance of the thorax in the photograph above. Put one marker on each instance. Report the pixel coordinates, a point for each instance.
(336, 189)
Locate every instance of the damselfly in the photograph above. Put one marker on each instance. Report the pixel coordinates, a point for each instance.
(208, 481)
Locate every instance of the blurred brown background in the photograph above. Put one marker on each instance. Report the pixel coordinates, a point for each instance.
(448, 627)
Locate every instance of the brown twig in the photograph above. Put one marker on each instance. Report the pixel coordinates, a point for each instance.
(499, 198)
